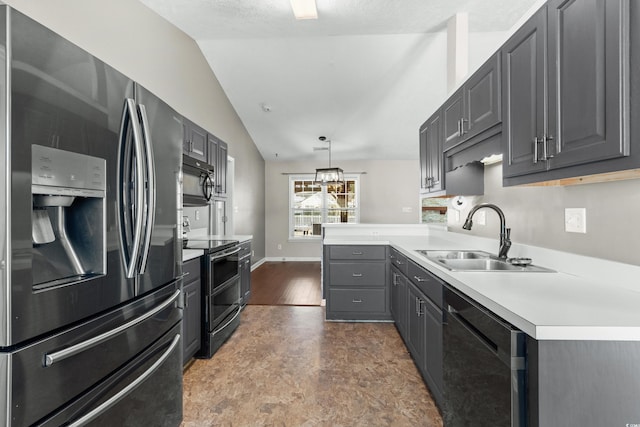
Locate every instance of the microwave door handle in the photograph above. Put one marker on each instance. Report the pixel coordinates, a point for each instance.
(150, 190)
(207, 187)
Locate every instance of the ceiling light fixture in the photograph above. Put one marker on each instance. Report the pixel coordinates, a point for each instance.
(330, 175)
(304, 9)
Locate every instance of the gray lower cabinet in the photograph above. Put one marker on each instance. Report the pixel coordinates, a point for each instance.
(245, 271)
(191, 319)
(416, 304)
(566, 92)
(356, 282)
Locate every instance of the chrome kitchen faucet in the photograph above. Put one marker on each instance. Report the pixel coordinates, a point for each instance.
(505, 233)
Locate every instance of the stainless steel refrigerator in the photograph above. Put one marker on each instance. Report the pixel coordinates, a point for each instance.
(90, 257)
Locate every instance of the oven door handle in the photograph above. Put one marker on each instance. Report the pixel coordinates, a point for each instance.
(225, 254)
(230, 320)
(50, 359)
(125, 391)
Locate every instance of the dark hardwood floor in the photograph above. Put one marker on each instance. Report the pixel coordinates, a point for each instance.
(286, 283)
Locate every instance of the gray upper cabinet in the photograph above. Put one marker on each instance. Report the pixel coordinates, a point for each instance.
(218, 153)
(475, 107)
(431, 157)
(565, 91)
(523, 65)
(195, 141)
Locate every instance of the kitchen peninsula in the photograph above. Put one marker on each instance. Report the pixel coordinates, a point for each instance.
(581, 324)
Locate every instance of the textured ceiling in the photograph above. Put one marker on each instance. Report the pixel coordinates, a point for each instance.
(365, 74)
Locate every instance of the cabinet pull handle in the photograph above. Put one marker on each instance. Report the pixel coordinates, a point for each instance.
(399, 262)
(356, 301)
(419, 279)
(357, 274)
(356, 253)
(547, 139)
(459, 128)
(419, 311)
(462, 131)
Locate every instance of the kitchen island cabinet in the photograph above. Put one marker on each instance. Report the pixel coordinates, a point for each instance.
(191, 317)
(356, 282)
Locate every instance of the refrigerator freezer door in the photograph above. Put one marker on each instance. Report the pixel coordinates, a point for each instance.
(64, 98)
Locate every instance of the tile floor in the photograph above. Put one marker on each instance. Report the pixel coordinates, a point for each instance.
(286, 366)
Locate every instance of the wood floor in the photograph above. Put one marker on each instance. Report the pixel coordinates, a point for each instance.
(286, 283)
(286, 366)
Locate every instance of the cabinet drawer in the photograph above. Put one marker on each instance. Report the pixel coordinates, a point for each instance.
(398, 260)
(191, 269)
(430, 285)
(357, 252)
(357, 273)
(357, 300)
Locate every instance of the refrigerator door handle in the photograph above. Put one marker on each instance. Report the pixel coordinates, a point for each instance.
(50, 359)
(150, 190)
(130, 116)
(130, 387)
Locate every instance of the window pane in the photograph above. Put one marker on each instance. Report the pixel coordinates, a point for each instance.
(304, 220)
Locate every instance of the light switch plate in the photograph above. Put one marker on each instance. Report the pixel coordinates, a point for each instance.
(575, 220)
(480, 217)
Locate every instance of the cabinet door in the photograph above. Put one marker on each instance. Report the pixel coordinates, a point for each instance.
(588, 50)
(482, 99)
(523, 97)
(424, 162)
(212, 158)
(399, 301)
(433, 349)
(416, 326)
(434, 154)
(195, 142)
(191, 319)
(452, 113)
(431, 157)
(221, 174)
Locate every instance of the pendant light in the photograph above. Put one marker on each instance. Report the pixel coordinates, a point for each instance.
(330, 175)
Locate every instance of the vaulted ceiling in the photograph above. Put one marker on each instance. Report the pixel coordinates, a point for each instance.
(365, 74)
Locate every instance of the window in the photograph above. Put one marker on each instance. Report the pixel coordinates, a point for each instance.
(312, 204)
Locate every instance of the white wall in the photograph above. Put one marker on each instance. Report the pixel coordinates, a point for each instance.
(385, 189)
(536, 216)
(139, 43)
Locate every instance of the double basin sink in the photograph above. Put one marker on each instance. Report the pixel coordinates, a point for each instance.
(469, 260)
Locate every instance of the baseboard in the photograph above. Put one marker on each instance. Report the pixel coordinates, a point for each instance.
(257, 264)
(292, 259)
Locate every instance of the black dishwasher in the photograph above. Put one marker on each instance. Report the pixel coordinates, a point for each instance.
(484, 367)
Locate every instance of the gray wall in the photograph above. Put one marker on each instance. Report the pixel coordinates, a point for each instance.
(138, 42)
(536, 216)
(387, 187)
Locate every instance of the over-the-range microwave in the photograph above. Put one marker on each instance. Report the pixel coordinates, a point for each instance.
(197, 182)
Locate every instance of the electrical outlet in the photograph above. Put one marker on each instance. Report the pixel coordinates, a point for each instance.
(575, 220)
(279, 247)
(407, 209)
(197, 215)
(480, 218)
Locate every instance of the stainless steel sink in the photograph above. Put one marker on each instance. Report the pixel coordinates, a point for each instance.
(468, 260)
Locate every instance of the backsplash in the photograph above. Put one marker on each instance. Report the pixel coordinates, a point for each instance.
(198, 216)
(536, 216)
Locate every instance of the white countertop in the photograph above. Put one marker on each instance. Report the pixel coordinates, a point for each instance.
(586, 299)
(189, 254)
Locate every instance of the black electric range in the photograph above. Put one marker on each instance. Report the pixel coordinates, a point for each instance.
(221, 293)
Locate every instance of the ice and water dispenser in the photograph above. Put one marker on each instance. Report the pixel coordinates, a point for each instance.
(68, 217)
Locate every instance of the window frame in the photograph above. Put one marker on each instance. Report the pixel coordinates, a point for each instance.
(324, 209)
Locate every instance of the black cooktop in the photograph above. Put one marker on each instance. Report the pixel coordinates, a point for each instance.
(209, 244)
